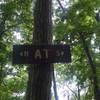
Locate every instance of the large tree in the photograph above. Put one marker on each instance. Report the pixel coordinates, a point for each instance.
(40, 75)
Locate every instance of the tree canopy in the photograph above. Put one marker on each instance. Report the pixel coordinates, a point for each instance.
(75, 22)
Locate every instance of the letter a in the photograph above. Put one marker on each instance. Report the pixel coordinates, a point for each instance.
(37, 54)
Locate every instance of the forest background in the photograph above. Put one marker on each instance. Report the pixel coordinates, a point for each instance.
(75, 22)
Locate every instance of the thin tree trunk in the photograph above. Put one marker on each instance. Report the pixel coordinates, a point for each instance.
(2, 27)
(55, 88)
(40, 75)
(78, 92)
(68, 97)
(93, 68)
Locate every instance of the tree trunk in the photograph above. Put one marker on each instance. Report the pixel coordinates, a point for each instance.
(54, 86)
(40, 75)
(93, 68)
(79, 98)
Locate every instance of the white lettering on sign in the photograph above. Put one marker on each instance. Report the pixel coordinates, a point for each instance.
(62, 53)
(24, 53)
(46, 53)
(37, 54)
(59, 53)
(40, 54)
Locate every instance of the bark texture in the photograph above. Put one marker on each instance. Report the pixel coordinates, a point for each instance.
(40, 75)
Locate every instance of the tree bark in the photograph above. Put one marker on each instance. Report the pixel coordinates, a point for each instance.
(40, 75)
(93, 68)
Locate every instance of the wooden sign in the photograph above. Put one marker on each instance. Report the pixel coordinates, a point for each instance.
(35, 54)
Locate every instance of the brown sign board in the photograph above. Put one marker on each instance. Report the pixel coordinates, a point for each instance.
(36, 54)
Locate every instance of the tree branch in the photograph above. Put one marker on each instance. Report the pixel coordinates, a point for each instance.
(9, 27)
(72, 91)
(61, 6)
(93, 68)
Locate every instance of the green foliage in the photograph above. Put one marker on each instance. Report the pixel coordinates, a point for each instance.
(80, 16)
(13, 84)
(15, 15)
